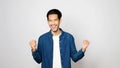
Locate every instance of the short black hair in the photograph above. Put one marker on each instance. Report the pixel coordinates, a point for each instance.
(54, 11)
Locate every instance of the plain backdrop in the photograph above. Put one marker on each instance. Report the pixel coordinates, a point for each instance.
(95, 20)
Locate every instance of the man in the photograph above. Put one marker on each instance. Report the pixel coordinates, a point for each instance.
(56, 47)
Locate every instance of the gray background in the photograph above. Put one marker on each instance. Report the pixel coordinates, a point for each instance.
(95, 20)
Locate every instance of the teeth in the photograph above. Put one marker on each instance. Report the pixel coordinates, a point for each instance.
(53, 25)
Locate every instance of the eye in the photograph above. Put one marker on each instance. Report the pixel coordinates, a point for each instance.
(56, 19)
(49, 20)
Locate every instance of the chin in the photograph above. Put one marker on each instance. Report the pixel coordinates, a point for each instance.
(54, 30)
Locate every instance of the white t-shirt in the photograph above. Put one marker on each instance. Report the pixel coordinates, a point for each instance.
(56, 52)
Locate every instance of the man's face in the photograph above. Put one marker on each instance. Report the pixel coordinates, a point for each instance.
(53, 22)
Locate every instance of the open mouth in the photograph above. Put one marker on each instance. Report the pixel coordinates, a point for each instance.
(53, 26)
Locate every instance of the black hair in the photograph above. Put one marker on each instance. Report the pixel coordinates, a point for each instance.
(54, 11)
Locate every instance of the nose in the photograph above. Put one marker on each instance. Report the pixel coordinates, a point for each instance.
(53, 22)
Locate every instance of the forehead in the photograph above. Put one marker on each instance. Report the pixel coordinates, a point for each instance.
(51, 16)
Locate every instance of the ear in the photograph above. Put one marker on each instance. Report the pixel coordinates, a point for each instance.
(60, 20)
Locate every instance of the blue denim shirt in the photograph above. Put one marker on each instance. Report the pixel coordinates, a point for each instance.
(44, 52)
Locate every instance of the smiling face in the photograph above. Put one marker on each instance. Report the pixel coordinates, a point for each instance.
(54, 22)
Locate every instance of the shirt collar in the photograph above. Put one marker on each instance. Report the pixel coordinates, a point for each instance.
(50, 33)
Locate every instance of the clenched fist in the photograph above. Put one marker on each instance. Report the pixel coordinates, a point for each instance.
(85, 45)
(32, 44)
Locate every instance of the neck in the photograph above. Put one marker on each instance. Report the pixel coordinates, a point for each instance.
(55, 33)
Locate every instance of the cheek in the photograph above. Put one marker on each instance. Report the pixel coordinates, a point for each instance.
(57, 22)
(49, 23)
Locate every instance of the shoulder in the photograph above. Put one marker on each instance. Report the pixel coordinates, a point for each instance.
(45, 35)
(67, 34)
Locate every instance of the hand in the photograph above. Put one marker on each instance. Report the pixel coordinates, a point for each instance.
(85, 45)
(32, 44)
